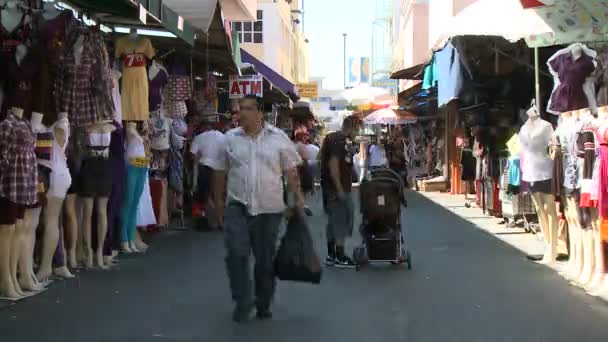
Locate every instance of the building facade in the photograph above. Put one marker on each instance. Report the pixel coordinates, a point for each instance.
(276, 38)
(418, 25)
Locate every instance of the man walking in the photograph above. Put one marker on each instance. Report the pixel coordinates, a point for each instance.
(253, 160)
(336, 183)
(204, 147)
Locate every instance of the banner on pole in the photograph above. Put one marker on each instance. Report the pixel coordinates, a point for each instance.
(239, 86)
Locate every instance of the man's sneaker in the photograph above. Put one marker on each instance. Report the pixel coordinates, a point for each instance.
(345, 262)
(330, 261)
(242, 313)
(264, 313)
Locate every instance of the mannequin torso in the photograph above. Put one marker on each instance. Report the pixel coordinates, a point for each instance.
(535, 137)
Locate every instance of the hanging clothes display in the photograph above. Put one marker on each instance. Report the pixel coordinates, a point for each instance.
(572, 68)
(156, 84)
(83, 87)
(134, 51)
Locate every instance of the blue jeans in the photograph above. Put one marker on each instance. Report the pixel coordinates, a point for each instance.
(244, 233)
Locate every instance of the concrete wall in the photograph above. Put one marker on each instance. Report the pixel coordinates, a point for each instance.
(284, 49)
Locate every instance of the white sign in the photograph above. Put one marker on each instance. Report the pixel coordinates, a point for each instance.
(143, 14)
(245, 85)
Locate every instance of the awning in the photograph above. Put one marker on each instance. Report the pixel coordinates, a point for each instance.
(504, 18)
(239, 10)
(125, 12)
(272, 76)
(412, 73)
(198, 12)
(540, 22)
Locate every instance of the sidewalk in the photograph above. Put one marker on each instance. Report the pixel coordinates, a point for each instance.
(527, 243)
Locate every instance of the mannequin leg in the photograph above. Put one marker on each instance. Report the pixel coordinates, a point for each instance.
(59, 259)
(577, 269)
(7, 288)
(87, 228)
(26, 257)
(16, 246)
(588, 258)
(51, 236)
(102, 227)
(71, 225)
(548, 201)
(598, 273)
(537, 198)
(573, 238)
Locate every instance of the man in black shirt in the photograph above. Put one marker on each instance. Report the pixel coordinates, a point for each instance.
(336, 183)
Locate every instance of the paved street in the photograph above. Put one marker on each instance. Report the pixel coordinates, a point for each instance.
(465, 286)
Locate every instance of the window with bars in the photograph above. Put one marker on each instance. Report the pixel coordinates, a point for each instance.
(250, 31)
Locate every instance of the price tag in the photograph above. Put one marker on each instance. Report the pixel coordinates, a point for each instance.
(143, 14)
(381, 200)
(180, 23)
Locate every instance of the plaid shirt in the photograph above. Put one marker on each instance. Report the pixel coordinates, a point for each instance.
(18, 171)
(84, 90)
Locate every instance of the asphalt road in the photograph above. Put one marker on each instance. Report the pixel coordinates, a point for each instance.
(465, 286)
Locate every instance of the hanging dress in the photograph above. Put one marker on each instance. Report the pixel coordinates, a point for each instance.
(134, 54)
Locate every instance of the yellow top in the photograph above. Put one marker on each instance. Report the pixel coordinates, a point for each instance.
(126, 45)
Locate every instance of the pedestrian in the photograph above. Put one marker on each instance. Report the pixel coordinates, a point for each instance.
(305, 171)
(250, 166)
(204, 147)
(336, 184)
(377, 155)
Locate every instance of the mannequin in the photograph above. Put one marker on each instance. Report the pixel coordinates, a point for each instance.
(599, 276)
(137, 168)
(161, 130)
(95, 185)
(59, 183)
(574, 89)
(568, 130)
(12, 16)
(158, 76)
(134, 51)
(18, 191)
(537, 170)
(599, 286)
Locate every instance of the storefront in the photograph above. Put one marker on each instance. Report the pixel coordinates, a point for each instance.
(96, 99)
(542, 160)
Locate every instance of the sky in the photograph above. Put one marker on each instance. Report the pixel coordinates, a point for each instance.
(324, 23)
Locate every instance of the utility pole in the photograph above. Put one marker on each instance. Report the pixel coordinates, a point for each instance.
(344, 69)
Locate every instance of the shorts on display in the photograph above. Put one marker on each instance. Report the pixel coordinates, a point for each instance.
(544, 186)
(10, 212)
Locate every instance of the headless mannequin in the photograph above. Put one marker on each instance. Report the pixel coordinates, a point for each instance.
(544, 202)
(50, 12)
(11, 16)
(52, 212)
(575, 232)
(599, 283)
(598, 278)
(587, 235)
(574, 51)
(136, 245)
(10, 245)
(102, 221)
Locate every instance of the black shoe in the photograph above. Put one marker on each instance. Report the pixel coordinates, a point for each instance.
(330, 261)
(263, 313)
(307, 211)
(242, 313)
(345, 262)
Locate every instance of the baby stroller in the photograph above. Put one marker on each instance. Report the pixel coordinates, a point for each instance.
(382, 198)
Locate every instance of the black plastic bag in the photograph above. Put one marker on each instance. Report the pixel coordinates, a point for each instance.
(296, 259)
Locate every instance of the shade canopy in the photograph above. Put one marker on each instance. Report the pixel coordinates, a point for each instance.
(540, 22)
(503, 18)
(390, 116)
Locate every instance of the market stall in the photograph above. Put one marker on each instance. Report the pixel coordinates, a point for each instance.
(94, 98)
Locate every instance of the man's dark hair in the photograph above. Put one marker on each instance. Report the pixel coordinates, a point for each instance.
(258, 100)
(349, 122)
